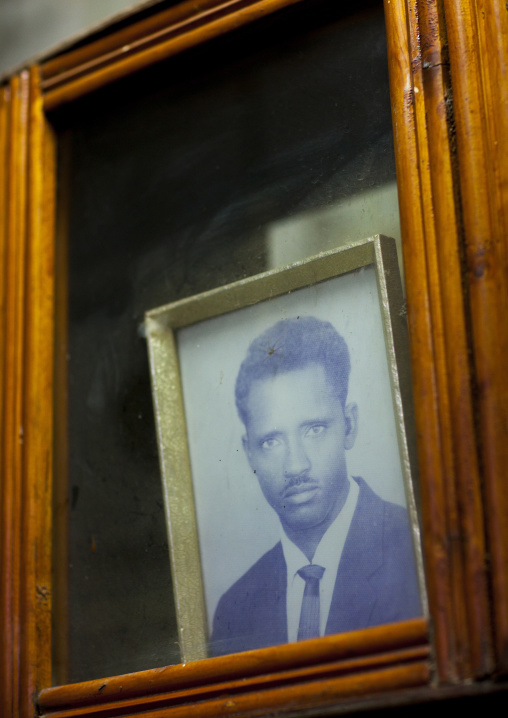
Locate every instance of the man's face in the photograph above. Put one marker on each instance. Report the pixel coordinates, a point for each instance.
(296, 438)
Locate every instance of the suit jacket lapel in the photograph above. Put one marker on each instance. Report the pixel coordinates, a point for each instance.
(353, 596)
(270, 602)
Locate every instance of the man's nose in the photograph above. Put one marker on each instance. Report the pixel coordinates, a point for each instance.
(296, 459)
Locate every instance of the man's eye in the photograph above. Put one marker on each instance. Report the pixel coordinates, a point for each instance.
(315, 430)
(270, 443)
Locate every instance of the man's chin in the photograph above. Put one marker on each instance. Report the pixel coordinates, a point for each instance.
(303, 517)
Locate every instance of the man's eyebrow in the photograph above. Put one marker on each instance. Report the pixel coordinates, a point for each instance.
(318, 420)
(268, 434)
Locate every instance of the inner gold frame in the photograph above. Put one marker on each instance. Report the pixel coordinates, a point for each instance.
(161, 325)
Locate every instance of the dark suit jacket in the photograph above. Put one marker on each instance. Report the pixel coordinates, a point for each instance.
(376, 583)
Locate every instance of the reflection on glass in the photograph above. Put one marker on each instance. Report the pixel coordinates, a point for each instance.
(356, 217)
(224, 161)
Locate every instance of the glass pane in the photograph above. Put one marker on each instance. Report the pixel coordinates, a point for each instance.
(260, 148)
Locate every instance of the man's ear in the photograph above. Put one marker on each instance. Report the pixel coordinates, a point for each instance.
(351, 419)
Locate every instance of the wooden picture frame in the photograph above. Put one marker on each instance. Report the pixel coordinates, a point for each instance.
(343, 287)
(451, 170)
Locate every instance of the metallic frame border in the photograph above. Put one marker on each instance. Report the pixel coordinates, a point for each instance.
(161, 323)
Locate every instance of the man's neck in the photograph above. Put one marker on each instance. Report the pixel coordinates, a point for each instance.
(308, 539)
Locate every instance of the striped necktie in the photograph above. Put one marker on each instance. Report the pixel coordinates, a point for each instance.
(309, 616)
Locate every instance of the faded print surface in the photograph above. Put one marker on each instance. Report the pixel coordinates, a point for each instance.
(236, 523)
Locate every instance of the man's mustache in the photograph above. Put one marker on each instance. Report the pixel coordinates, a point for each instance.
(294, 482)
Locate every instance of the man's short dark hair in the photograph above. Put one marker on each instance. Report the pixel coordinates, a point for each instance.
(294, 344)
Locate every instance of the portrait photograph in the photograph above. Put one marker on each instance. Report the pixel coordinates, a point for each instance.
(298, 467)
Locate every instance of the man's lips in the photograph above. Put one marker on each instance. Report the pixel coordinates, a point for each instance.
(300, 491)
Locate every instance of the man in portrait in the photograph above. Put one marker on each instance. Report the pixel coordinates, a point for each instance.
(345, 559)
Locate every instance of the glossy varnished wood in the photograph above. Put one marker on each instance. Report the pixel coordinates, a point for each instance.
(4, 499)
(94, 53)
(38, 401)
(13, 395)
(492, 24)
(464, 532)
(191, 24)
(26, 412)
(478, 34)
(343, 662)
(4, 184)
(299, 696)
(454, 532)
(264, 665)
(413, 181)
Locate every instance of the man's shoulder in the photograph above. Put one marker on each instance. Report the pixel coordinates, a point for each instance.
(251, 613)
(382, 529)
(263, 571)
(380, 546)
(379, 511)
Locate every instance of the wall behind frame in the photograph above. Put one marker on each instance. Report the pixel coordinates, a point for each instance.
(29, 27)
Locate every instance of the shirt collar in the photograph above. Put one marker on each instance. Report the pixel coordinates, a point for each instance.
(329, 550)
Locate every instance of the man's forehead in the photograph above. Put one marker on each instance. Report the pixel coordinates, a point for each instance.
(294, 388)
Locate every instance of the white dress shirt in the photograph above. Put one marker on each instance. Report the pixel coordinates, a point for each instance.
(328, 554)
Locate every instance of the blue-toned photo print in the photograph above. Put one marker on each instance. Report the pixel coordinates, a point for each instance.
(296, 468)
